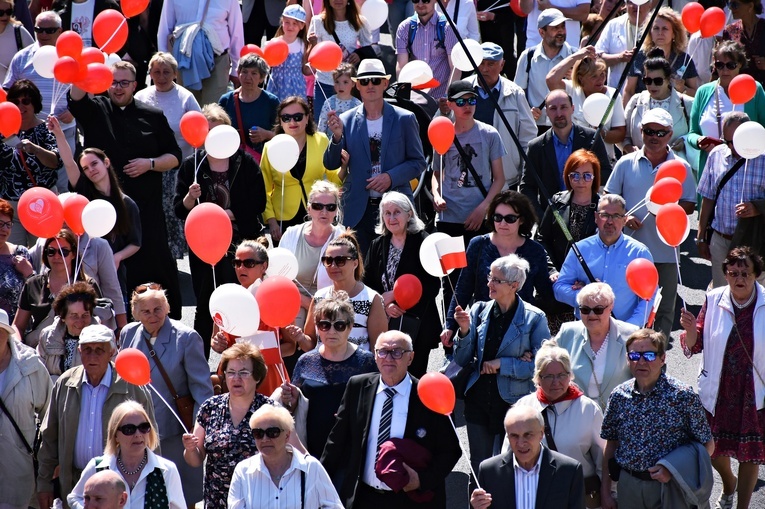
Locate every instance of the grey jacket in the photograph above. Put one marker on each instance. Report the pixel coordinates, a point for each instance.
(692, 481)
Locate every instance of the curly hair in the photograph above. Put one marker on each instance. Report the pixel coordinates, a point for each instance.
(80, 291)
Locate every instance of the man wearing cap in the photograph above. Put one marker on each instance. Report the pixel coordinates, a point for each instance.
(631, 178)
(574, 12)
(383, 142)
(74, 429)
(538, 59)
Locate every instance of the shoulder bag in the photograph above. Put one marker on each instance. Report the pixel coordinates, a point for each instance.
(31, 449)
(728, 175)
(184, 404)
(242, 136)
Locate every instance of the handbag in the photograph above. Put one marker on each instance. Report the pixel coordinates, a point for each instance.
(243, 145)
(184, 404)
(31, 449)
(728, 175)
(363, 52)
(459, 376)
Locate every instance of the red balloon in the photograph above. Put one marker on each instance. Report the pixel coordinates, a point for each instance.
(194, 128)
(133, 366)
(666, 190)
(69, 44)
(66, 70)
(441, 134)
(279, 301)
(437, 393)
(98, 79)
(712, 21)
(691, 16)
(673, 168)
(250, 48)
(40, 212)
(110, 31)
(208, 232)
(92, 56)
(515, 6)
(407, 290)
(326, 56)
(672, 224)
(10, 119)
(742, 89)
(73, 212)
(3, 95)
(642, 277)
(275, 52)
(132, 8)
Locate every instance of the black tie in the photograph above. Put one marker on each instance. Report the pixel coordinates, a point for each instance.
(386, 418)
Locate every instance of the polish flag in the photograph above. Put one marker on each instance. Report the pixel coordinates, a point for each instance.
(267, 344)
(655, 308)
(451, 253)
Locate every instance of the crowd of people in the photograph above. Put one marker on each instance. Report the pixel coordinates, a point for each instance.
(560, 363)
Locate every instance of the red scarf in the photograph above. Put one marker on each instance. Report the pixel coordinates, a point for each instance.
(573, 392)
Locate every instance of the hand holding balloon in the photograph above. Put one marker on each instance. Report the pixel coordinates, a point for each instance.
(335, 125)
(462, 318)
(688, 322)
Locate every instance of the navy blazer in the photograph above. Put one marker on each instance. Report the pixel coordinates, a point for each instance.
(402, 156)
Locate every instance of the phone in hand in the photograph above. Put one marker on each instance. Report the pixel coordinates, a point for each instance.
(12, 141)
(710, 141)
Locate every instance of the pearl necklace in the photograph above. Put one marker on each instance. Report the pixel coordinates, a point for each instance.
(745, 304)
(140, 465)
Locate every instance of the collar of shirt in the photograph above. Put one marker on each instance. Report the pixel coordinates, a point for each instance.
(403, 388)
(615, 245)
(641, 155)
(534, 470)
(106, 380)
(660, 386)
(497, 86)
(432, 21)
(298, 462)
(559, 144)
(496, 311)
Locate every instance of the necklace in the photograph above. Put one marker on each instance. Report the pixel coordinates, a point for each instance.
(745, 304)
(134, 472)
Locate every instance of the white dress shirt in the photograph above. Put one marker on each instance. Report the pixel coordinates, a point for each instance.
(526, 483)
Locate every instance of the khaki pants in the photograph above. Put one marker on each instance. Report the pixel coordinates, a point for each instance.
(718, 248)
(217, 84)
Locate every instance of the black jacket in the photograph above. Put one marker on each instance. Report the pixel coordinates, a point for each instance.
(550, 234)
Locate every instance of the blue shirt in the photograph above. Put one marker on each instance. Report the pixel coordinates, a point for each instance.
(90, 441)
(562, 151)
(609, 265)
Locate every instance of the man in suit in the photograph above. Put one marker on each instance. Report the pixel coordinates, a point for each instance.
(548, 153)
(377, 407)
(385, 150)
(529, 474)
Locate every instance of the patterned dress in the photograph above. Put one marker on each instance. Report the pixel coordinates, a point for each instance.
(362, 305)
(225, 444)
(14, 178)
(11, 281)
(287, 79)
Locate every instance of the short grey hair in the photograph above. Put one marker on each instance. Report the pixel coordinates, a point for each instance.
(513, 268)
(161, 57)
(613, 198)
(402, 201)
(49, 15)
(550, 352)
(253, 61)
(735, 117)
(279, 414)
(599, 292)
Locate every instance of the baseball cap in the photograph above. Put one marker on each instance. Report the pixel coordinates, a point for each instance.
(657, 116)
(97, 334)
(551, 17)
(459, 89)
(294, 11)
(492, 51)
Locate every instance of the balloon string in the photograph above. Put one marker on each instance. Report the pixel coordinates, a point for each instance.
(122, 23)
(215, 285)
(303, 287)
(636, 207)
(82, 257)
(475, 477)
(66, 265)
(281, 214)
(196, 168)
(441, 184)
(679, 276)
(280, 366)
(321, 89)
(645, 312)
(185, 429)
(746, 163)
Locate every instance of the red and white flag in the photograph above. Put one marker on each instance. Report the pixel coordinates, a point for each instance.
(451, 253)
(267, 344)
(656, 302)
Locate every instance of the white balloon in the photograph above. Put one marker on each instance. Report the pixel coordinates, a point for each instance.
(283, 152)
(64, 196)
(282, 262)
(639, 2)
(98, 218)
(460, 59)
(253, 289)
(416, 72)
(594, 108)
(429, 258)
(749, 140)
(222, 142)
(111, 59)
(376, 12)
(44, 60)
(234, 309)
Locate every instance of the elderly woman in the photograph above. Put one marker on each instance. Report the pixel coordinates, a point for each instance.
(73, 309)
(747, 29)
(500, 339)
(321, 375)
(153, 481)
(236, 184)
(658, 93)
(25, 392)
(174, 101)
(573, 419)
(279, 470)
(13, 36)
(287, 198)
(15, 263)
(730, 330)
(395, 253)
(179, 370)
(597, 344)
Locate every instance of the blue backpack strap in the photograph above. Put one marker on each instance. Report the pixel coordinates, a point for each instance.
(441, 31)
(413, 22)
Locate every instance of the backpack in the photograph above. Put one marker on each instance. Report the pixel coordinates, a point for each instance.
(17, 33)
(440, 33)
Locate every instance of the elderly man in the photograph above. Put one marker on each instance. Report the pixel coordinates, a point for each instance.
(140, 145)
(74, 429)
(647, 418)
(385, 150)
(105, 490)
(633, 175)
(379, 407)
(529, 474)
(607, 255)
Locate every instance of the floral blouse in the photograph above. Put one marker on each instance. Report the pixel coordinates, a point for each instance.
(14, 178)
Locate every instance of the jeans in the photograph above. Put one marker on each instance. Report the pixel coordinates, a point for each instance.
(483, 443)
(398, 11)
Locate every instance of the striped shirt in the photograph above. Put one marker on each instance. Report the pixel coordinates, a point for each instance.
(526, 483)
(89, 442)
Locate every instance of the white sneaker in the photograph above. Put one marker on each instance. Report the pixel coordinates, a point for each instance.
(726, 501)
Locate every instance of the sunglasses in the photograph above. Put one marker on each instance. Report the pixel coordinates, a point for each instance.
(365, 81)
(736, 274)
(654, 81)
(331, 207)
(658, 133)
(297, 117)
(47, 30)
(585, 310)
(260, 433)
(26, 101)
(415, 2)
(325, 325)
(122, 83)
(52, 251)
(396, 353)
(576, 177)
(648, 356)
(508, 218)
(249, 263)
(339, 261)
(6, 224)
(462, 101)
(729, 65)
(130, 429)
(7, 12)
(146, 287)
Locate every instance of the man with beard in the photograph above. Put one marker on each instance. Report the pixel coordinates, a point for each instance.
(548, 153)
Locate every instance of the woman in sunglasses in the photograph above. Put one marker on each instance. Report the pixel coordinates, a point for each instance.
(747, 29)
(287, 193)
(152, 481)
(236, 185)
(321, 375)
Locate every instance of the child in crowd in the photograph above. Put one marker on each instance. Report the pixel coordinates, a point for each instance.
(288, 78)
(342, 100)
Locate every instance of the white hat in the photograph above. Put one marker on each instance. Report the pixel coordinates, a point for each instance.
(5, 323)
(97, 334)
(657, 116)
(551, 17)
(371, 68)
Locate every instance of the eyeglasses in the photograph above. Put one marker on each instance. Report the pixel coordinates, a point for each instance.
(607, 216)
(297, 117)
(657, 133)
(325, 325)
(653, 81)
(729, 65)
(146, 287)
(495, 281)
(648, 356)
(260, 433)
(7, 12)
(249, 263)
(26, 101)
(586, 310)
(6, 224)
(736, 274)
(415, 2)
(508, 218)
(47, 30)
(462, 101)
(365, 81)
(331, 207)
(52, 251)
(339, 261)
(576, 177)
(130, 429)
(122, 83)
(243, 373)
(560, 377)
(396, 353)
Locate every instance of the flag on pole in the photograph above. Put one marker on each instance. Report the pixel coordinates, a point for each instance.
(268, 344)
(451, 253)
(655, 308)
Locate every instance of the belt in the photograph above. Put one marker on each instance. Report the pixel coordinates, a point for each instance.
(375, 201)
(726, 237)
(643, 475)
(375, 490)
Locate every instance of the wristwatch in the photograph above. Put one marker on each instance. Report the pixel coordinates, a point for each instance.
(151, 162)
(701, 241)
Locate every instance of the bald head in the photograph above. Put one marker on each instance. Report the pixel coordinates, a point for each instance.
(523, 414)
(560, 110)
(525, 430)
(105, 490)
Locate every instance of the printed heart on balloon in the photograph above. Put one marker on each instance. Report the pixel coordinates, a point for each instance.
(218, 320)
(37, 206)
